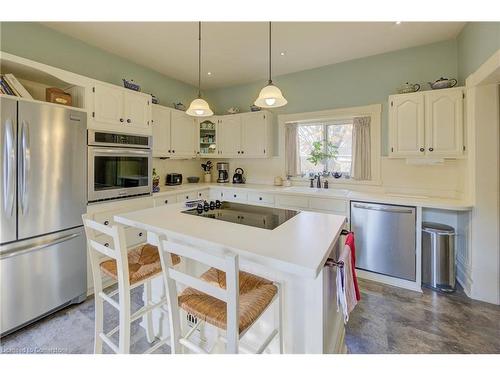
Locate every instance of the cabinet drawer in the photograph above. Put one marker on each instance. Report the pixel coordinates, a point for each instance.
(133, 236)
(202, 194)
(235, 196)
(328, 204)
(261, 198)
(187, 196)
(216, 194)
(168, 199)
(290, 201)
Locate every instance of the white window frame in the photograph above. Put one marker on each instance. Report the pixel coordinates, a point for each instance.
(373, 111)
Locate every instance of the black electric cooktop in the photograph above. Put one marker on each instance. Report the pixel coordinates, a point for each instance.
(245, 214)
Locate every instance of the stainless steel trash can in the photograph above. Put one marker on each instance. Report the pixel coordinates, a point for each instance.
(438, 256)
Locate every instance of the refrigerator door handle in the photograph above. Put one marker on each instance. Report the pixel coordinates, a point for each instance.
(8, 177)
(21, 250)
(26, 162)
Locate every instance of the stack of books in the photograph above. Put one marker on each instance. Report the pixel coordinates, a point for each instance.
(9, 85)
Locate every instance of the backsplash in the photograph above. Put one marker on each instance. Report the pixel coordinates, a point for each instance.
(190, 167)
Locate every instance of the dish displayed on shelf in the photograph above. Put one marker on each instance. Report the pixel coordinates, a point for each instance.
(131, 85)
(443, 83)
(180, 106)
(408, 88)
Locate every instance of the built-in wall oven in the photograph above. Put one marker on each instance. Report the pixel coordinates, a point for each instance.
(119, 165)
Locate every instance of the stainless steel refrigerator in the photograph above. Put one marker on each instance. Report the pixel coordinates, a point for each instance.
(42, 193)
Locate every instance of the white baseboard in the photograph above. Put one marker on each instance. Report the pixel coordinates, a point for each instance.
(394, 281)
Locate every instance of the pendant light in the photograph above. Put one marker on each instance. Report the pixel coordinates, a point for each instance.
(199, 107)
(270, 96)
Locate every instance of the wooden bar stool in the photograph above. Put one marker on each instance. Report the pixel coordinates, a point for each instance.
(224, 297)
(130, 268)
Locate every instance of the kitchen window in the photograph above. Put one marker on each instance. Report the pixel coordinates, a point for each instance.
(335, 137)
(343, 141)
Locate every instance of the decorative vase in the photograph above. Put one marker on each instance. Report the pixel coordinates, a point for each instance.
(207, 177)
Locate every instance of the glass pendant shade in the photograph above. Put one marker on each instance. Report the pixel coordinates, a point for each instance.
(270, 97)
(199, 108)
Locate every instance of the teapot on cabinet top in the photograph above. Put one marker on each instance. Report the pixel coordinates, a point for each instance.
(443, 83)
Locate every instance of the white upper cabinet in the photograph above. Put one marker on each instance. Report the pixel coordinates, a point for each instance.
(183, 131)
(108, 104)
(121, 110)
(229, 133)
(161, 124)
(255, 135)
(243, 135)
(427, 124)
(406, 116)
(137, 110)
(444, 122)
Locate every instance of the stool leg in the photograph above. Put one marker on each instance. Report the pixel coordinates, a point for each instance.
(280, 317)
(124, 341)
(99, 317)
(148, 318)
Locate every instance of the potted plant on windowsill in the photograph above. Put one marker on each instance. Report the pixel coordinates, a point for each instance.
(322, 151)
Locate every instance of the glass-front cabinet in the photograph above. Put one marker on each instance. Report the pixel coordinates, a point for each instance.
(208, 137)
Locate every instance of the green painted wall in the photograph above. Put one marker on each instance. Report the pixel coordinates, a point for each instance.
(476, 43)
(357, 82)
(40, 43)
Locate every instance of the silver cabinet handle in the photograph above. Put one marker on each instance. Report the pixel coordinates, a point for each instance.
(25, 166)
(9, 159)
(394, 210)
(28, 249)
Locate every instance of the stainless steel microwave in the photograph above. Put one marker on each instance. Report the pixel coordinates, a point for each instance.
(119, 165)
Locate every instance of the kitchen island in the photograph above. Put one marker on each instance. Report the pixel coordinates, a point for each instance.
(293, 254)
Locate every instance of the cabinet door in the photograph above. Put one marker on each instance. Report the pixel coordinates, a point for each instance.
(207, 137)
(108, 104)
(182, 135)
(229, 132)
(137, 110)
(161, 131)
(254, 135)
(444, 123)
(406, 125)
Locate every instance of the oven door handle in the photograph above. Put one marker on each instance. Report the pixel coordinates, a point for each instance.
(118, 151)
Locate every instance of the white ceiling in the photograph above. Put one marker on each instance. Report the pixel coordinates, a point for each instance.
(237, 52)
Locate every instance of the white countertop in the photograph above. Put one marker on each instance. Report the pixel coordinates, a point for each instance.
(378, 197)
(299, 246)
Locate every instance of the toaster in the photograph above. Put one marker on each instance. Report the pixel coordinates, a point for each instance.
(173, 179)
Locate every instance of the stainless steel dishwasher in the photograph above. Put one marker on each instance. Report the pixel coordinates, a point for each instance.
(385, 238)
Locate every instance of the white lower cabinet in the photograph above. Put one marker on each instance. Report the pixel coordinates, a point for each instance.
(235, 196)
(264, 199)
(329, 204)
(183, 197)
(289, 201)
(164, 200)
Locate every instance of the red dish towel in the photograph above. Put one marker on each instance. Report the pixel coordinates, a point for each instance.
(350, 242)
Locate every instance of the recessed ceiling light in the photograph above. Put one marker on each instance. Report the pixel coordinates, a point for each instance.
(282, 53)
(398, 22)
(209, 73)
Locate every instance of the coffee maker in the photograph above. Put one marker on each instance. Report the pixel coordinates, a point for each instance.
(223, 171)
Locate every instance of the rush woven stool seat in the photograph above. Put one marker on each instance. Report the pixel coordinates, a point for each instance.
(256, 294)
(130, 268)
(143, 263)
